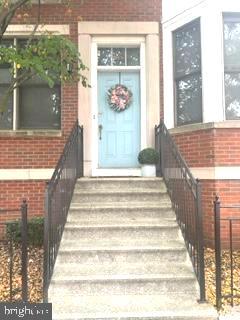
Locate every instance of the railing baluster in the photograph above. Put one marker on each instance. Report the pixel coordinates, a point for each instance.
(11, 264)
(217, 228)
(58, 198)
(24, 231)
(231, 258)
(185, 195)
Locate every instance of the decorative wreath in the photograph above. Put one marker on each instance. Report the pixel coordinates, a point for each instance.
(119, 97)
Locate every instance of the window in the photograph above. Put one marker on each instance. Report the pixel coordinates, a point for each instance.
(187, 74)
(33, 105)
(111, 56)
(232, 66)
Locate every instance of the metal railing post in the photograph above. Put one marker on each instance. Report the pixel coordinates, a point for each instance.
(158, 149)
(81, 158)
(217, 230)
(199, 230)
(24, 239)
(46, 247)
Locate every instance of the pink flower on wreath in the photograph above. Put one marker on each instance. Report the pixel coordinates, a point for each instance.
(119, 97)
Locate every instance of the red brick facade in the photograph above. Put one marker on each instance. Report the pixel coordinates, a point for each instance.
(210, 147)
(13, 192)
(214, 148)
(20, 151)
(203, 148)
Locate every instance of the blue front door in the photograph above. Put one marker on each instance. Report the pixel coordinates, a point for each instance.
(119, 132)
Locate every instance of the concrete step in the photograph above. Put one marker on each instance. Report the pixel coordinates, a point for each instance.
(132, 307)
(120, 214)
(120, 183)
(128, 195)
(164, 230)
(112, 271)
(142, 284)
(121, 251)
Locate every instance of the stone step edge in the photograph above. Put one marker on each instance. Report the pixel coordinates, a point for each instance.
(92, 179)
(164, 315)
(120, 192)
(171, 225)
(126, 278)
(115, 205)
(120, 249)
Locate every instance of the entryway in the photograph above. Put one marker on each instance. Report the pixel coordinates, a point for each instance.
(119, 130)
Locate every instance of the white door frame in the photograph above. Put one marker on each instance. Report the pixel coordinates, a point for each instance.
(119, 41)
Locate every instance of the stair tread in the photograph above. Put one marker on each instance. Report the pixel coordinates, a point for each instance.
(112, 224)
(162, 204)
(121, 245)
(126, 190)
(120, 179)
(133, 306)
(120, 221)
(74, 271)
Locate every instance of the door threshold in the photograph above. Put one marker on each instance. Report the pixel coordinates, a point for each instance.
(128, 172)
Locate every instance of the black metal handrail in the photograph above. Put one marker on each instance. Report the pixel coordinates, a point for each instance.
(185, 193)
(58, 197)
(23, 210)
(227, 223)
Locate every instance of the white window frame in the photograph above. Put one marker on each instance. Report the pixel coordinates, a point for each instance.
(20, 32)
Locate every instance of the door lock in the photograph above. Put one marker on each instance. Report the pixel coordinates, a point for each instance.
(100, 127)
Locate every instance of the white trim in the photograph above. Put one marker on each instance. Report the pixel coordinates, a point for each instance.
(116, 172)
(117, 27)
(118, 68)
(26, 174)
(230, 124)
(123, 33)
(16, 30)
(116, 41)
(217, 173)
(203, 173)
(96, 171)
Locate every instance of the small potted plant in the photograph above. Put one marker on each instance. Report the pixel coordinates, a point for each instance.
(148, 158)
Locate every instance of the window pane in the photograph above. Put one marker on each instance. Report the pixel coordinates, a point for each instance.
(6, 116)
(6, 43)
(187, 43)
(232, 96)
(118, 57)
(189, 99)
(133, 56)
(40, 107)
(232, 44)
(104, 56)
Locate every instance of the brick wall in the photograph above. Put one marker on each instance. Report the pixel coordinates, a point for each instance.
(13, 192)
(209, 148)
(21, 151)
(229, 192)
(212, 147)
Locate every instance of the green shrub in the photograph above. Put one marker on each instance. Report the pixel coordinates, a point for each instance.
(35, 231)
(148, 156)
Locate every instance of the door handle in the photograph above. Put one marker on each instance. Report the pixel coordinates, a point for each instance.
(100, 127)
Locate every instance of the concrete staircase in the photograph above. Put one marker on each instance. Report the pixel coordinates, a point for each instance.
(122, 256)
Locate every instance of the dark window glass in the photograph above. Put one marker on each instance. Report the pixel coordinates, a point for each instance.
(232, 67)
(189, 90)
(104, 56)
(118, 56)
(133, 57)
(39, 106)
(187, 74)
(6, 108)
